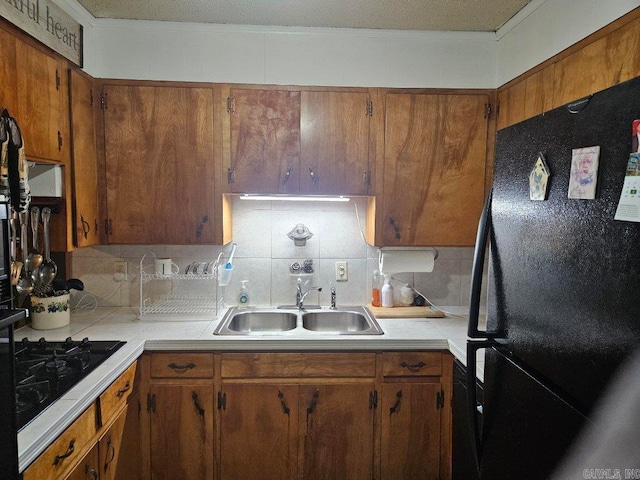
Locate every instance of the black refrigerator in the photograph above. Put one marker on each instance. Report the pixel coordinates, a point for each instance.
(563, 305)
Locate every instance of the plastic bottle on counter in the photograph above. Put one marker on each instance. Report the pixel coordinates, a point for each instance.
(387, 292)
(375, 289)
(243, 297)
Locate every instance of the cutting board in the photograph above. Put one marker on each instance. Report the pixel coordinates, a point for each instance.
(405, 312)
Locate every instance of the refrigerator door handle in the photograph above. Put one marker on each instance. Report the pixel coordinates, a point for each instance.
(484, 227)
(472, 399)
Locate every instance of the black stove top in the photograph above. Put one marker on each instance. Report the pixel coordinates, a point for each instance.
(47, 370)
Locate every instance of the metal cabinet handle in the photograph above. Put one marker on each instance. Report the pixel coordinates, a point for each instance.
(285, 180)
(392, 222)
(68, 453)
(88, 470)
(396, 406)
(314, 177)
(196, 403)
(314, 402)
(283, 403)
(126, 388)
(86, 228)
(413, 367)
(188, 366)
(112, 454)
(200, 227)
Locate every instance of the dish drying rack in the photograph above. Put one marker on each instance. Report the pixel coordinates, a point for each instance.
(160, 295)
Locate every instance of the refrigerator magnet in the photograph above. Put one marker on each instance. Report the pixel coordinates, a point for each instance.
(584, 173)
(539, 179)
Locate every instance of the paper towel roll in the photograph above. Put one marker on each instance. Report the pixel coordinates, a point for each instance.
(406, 261)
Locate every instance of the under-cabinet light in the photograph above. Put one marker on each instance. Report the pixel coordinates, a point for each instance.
(294, 198)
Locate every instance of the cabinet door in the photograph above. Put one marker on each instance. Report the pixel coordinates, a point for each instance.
(120, 445)
(336, 431)
(182, 432)
(39, 103)
(88, 467)
(410, 431)
(84, 160)
(258, 432)
(334, 138)
(434, 168)
(265, 141)
(159, 165)
(8, 79)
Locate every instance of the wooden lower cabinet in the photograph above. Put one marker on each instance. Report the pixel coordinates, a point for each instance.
(181, 431)
(301, 416)
(88, 467)
(337, 431)
(410, 431)
(258, 427)
(119, 446)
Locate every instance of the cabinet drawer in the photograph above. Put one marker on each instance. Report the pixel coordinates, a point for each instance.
(114, 397)
(182, 365)
(287, 365)
(411, 364)
(61, 456)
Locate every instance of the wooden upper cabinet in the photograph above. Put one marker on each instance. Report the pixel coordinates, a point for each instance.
(8, 79)
(334, 137)
(159, 165)
(290, 141)
(434, 168)
(265, 141)
(84, 161)
(512, 103)
(40, 103)
(601, 64)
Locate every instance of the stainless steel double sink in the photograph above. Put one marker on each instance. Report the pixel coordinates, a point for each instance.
(271, 321)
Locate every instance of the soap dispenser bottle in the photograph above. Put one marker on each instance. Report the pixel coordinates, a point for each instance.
(243, 297)
(387, 292)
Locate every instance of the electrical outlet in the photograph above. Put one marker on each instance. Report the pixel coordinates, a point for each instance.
(119, 271)
(342, 272)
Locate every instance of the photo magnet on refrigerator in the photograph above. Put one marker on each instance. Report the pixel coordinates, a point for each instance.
(539, 179)
(584, 172)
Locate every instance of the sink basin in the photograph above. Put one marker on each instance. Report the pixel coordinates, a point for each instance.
(340, 322)
(259, 322)
(274, 322)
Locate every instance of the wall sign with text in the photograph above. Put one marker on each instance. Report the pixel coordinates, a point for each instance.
(48, 23)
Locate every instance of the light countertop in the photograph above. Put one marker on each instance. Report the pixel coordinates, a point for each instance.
(114, 323)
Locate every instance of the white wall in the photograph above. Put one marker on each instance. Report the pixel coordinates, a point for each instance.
(305, 56)
(296, 56)
(545, 28)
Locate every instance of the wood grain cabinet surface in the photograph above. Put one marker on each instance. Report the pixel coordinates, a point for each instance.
(299, 141)
(159, 164)
(434, 168)
(84, 102)
(41, 103)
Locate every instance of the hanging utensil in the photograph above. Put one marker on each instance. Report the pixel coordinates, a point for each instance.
(48, 270)
(25, 283)
(16, 266)
(34, 259)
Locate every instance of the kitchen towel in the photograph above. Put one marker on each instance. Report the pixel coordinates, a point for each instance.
(397, 260)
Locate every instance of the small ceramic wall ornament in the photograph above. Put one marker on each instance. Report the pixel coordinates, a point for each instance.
(539, 179)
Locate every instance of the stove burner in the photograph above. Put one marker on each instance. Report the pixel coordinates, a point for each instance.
(56, 365)
(46, 370)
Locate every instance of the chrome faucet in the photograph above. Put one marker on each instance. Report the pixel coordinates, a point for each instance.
(333, 298)
(300, 295)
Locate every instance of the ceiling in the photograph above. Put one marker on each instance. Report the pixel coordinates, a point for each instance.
(454, 15)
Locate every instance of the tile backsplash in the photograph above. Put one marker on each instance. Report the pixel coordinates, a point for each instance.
(264, 254)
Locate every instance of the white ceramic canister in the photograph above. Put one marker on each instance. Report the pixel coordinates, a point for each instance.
(50, 312)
